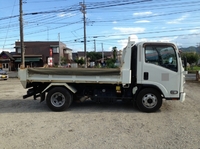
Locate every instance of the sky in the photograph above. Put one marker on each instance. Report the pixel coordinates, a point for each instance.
(108, 23)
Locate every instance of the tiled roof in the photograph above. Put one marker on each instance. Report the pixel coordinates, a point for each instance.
(8, 54)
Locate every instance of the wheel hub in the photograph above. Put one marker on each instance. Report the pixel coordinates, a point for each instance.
(57, 99)
(149, 101)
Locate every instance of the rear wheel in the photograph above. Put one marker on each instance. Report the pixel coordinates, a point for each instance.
(58, 99)
(149, 100)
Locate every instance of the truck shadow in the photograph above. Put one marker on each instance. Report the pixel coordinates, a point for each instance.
(30, 105)
(90, 106)
(21, 106)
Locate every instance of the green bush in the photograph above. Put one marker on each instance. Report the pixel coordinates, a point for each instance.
(193, 69)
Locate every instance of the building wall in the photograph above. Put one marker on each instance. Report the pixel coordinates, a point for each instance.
(42, 48)
(6, 63)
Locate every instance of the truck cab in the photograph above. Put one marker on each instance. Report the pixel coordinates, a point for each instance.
(155, 71)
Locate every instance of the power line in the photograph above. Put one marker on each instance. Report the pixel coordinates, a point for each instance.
(8, 26)
(41, 17)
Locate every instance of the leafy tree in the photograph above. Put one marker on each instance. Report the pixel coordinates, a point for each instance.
(94, 56)
(114, 50)
(110, 63)
(80, 61)
(63, 60)
(76, 61)
(191, 57)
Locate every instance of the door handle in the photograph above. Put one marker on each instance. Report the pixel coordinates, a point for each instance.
(146, 76)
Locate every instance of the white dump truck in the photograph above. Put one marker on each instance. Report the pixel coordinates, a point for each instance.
(149, 73)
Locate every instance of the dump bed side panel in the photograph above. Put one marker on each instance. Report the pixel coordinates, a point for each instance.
(71, 75)
(74, 71)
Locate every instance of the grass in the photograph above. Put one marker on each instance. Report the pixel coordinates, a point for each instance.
(193, 69)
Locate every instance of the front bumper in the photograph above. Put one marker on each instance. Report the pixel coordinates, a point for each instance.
(182, 96)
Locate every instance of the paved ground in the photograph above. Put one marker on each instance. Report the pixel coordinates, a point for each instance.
(28, 124)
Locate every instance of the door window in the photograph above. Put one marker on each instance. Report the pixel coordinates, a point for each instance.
(164, 56)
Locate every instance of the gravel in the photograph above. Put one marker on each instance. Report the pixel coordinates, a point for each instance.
(27, 123)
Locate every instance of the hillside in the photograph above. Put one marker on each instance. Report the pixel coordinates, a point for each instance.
(190, 49)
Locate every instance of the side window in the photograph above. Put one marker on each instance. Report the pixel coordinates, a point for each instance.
(169, 56)
(164, 56)
(5, 65)
(18, 50)
(55, 49)
(151, 56)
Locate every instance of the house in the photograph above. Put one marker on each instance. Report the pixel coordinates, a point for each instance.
(79, 55)
(6, 61)
(68, 54)
(38, 52)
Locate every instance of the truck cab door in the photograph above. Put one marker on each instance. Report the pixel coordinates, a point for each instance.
(159, 67)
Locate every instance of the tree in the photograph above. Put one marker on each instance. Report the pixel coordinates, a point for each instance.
(110, 63)
(191, 57)
(80, 61)
(63, 60)
(93, 56)
(114, 50)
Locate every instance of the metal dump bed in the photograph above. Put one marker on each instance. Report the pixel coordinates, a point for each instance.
(74, 71)
(70, 75)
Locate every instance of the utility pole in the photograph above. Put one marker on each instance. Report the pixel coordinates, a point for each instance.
(84, 26)
(59, 59)
(102, 52)
(94, 45)
(21, 34)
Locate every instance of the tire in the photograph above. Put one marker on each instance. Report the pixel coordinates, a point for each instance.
(149, 100)
(58, 99)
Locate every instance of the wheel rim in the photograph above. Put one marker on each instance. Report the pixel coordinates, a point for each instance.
(149, 101)
(57, 99)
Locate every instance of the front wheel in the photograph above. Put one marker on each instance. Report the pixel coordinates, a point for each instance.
(58, 99)
(149, 100)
